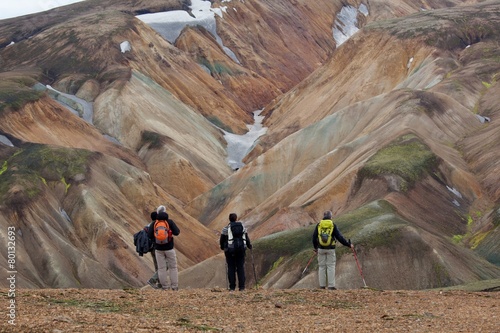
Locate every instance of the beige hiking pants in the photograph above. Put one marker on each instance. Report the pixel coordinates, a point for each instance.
(326, 267)
(164, 259)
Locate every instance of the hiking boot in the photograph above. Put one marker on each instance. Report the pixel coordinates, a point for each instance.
(175, 288)
(332, 288)
(322, 287)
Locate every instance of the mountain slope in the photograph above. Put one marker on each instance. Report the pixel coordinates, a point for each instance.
(327, 161)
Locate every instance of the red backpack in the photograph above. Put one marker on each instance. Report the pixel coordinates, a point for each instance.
(162, 232)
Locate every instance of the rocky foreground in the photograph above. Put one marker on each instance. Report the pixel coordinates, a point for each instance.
(270, 310)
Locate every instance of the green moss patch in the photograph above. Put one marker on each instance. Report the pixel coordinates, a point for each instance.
(16, 91)
(216, 68)
(217, 122)
(151, 138)
(496, 217)
(288, 242)
(407, 158)
(373, 225)
(29, 169)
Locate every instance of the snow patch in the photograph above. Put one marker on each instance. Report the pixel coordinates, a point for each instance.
(85, 109)
(238, 146)
(65, 215)
(454, 191)
(346, 23)
(409, 63)
(170, 24)
(5, 141)
(483, 119)
(125, 46)
(363, 9)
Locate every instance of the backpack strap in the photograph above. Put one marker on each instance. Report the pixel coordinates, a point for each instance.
(230, 236)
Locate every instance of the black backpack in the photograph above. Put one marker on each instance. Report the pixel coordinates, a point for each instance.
(236, 238)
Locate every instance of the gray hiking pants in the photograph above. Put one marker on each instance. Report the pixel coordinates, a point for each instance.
(164, 258)
(326, 267)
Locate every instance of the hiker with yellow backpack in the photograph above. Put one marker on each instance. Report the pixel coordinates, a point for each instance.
(161, 232)
(324, 239)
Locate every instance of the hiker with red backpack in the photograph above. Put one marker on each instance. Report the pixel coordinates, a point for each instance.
(324, 238)
(161, 232)
(234, 241)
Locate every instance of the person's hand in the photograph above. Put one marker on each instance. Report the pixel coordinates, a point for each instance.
(351, 245)
(315, 250)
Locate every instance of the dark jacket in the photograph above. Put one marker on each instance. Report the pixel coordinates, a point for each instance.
(223, 241)
(142, 242)
(169, 245)
(336, 235)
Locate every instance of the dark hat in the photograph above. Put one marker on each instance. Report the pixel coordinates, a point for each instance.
(153, 215)
(233, 217)
(162, 216)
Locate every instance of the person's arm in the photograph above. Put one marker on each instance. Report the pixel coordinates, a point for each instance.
(315, 238)
(340, 238)
(175, 229)
(249, 245)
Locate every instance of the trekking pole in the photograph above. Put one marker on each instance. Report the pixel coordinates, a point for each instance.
(308, 263)
(254, 273)
(357, 263)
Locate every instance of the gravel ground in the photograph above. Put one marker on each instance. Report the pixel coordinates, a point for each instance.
(271, 310)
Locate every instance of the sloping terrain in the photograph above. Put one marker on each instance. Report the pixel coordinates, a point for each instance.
(392, 129)
(395, 130)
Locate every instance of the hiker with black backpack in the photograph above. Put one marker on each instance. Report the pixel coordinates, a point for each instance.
(234, 241)
(161, 232)
(324, 238)
(143, 244)
(153, 281)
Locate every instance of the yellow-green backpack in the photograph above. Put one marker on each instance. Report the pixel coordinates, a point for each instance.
(325, 233)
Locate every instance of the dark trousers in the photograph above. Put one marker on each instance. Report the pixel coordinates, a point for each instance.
(236, 265)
